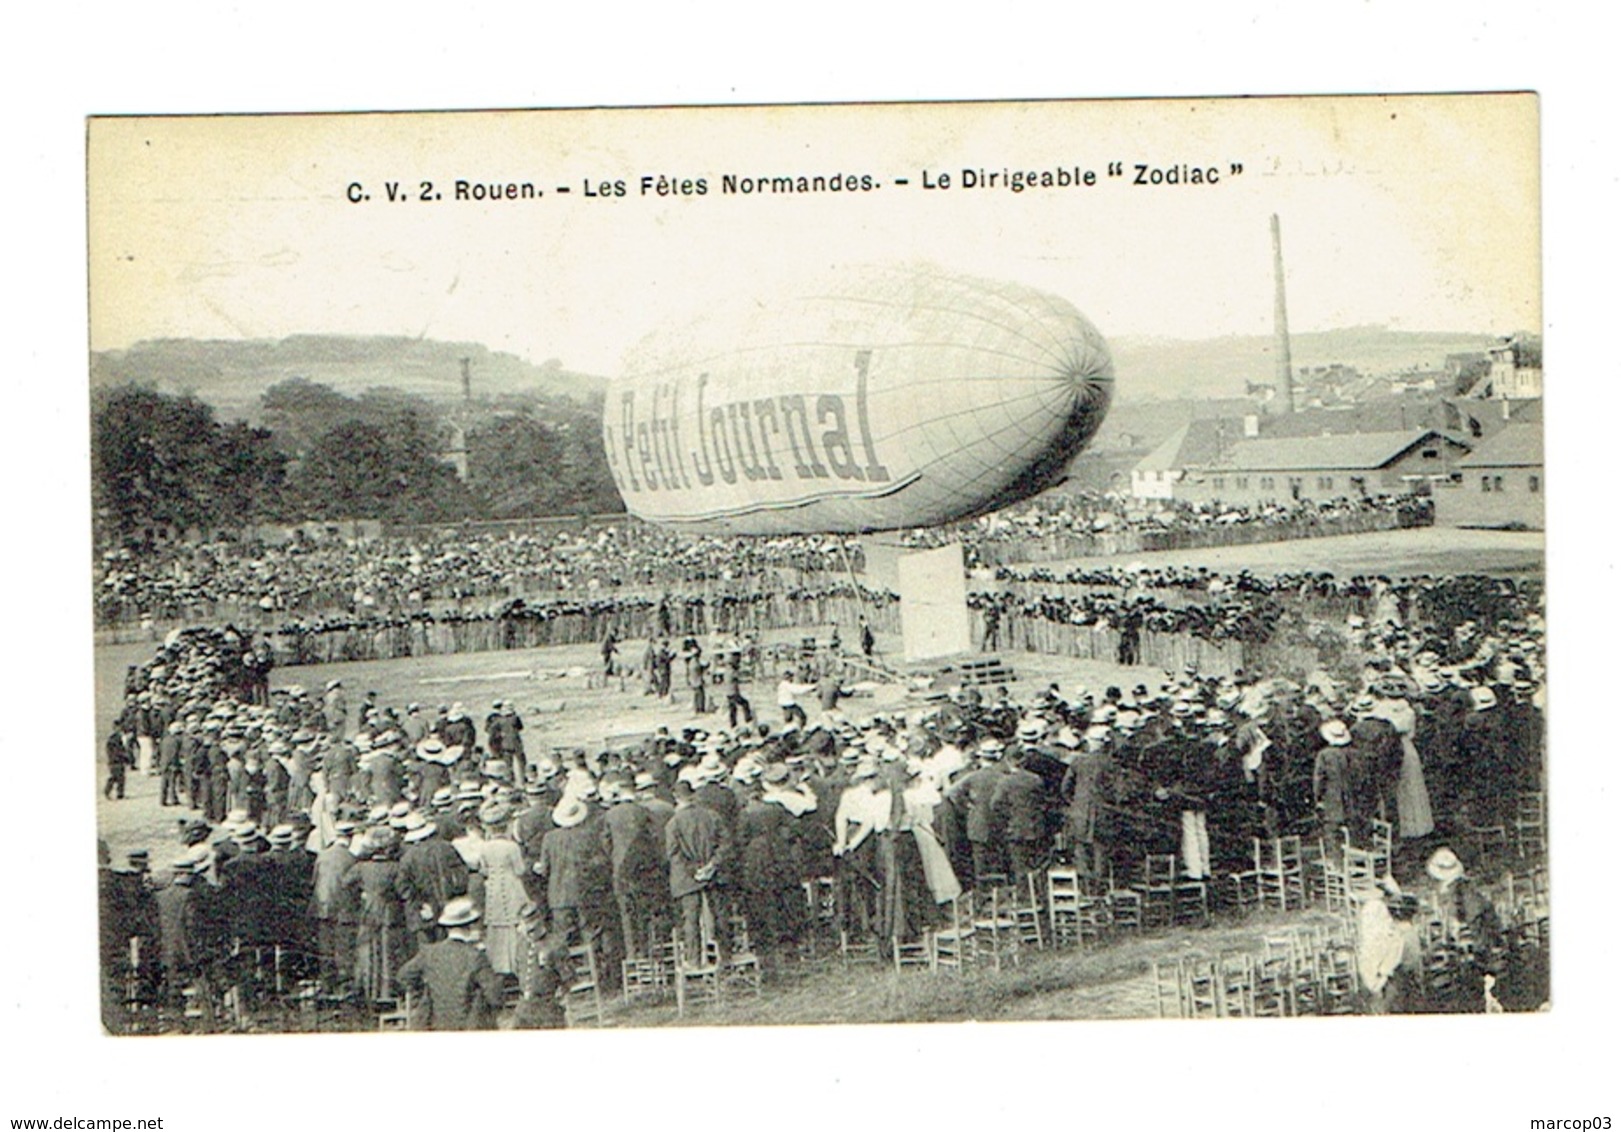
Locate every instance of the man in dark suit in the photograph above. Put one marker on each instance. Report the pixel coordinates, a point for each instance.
(431, 874)
(633, 853)
(972, 796)
(460, 990)
(698, 847)
(1018, 813)
(579, 884)
(118, 761)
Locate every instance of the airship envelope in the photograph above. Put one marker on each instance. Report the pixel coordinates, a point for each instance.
(877, 399)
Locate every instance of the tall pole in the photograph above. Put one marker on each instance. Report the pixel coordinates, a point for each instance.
(467, 363)
(1280, 317)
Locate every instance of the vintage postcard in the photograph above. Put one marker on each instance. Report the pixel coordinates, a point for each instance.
(819, 564)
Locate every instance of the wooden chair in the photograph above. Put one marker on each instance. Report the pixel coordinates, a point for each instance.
(1280, 872)
(1157, 888)
(1243, 890)
(1338, 979)
(954, 947)
(1272, 994)
(696, 983)
(1201, 977)
(995, 931)
(1236, 986)
(398, 1018)
(582, 1001)
(906, 954)
(1531, 824)
(1382, 835)
(858, 952)
(1123, 906)
(1170, 1001)
(1027, 915)
(1063, 906)
(1191, 901)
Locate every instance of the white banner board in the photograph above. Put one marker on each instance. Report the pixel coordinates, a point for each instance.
(934, 603)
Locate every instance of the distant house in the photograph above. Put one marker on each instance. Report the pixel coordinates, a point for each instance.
(1502, 483)
(1413, 461)
(1157, 474)
(1515, 370)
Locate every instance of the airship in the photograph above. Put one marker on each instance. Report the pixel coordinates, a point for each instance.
(869, 399)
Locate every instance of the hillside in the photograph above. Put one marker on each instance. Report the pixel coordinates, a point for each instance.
(1170, 369)
(230, 375)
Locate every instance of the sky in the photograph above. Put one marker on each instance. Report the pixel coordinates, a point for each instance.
(1417, 213)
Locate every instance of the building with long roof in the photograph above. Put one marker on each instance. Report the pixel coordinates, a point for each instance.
(1284, 469)
(1502, 483)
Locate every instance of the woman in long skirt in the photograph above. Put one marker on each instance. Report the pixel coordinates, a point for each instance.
(1413, 816)
(504, 898)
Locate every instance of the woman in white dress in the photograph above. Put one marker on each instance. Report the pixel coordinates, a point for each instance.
(1413, 817)
(504, 895)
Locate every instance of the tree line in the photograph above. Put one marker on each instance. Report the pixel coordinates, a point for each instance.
(164, 462)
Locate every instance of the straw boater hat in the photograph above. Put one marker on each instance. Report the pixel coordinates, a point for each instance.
(433, 751)
(1482, 698)
(458, 913)
(1444, 866)
(570, 812)
(418, 828)
(1335, 733)
(990, 748)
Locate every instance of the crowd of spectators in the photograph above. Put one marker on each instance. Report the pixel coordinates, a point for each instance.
(225, 578)
(394, 848)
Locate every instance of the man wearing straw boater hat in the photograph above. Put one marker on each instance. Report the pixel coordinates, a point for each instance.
(431, 874)
(579, 883)
(460, 989)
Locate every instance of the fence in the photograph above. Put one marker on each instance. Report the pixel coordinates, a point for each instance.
(1168, 651)
(542, 628)
(1058, 547)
